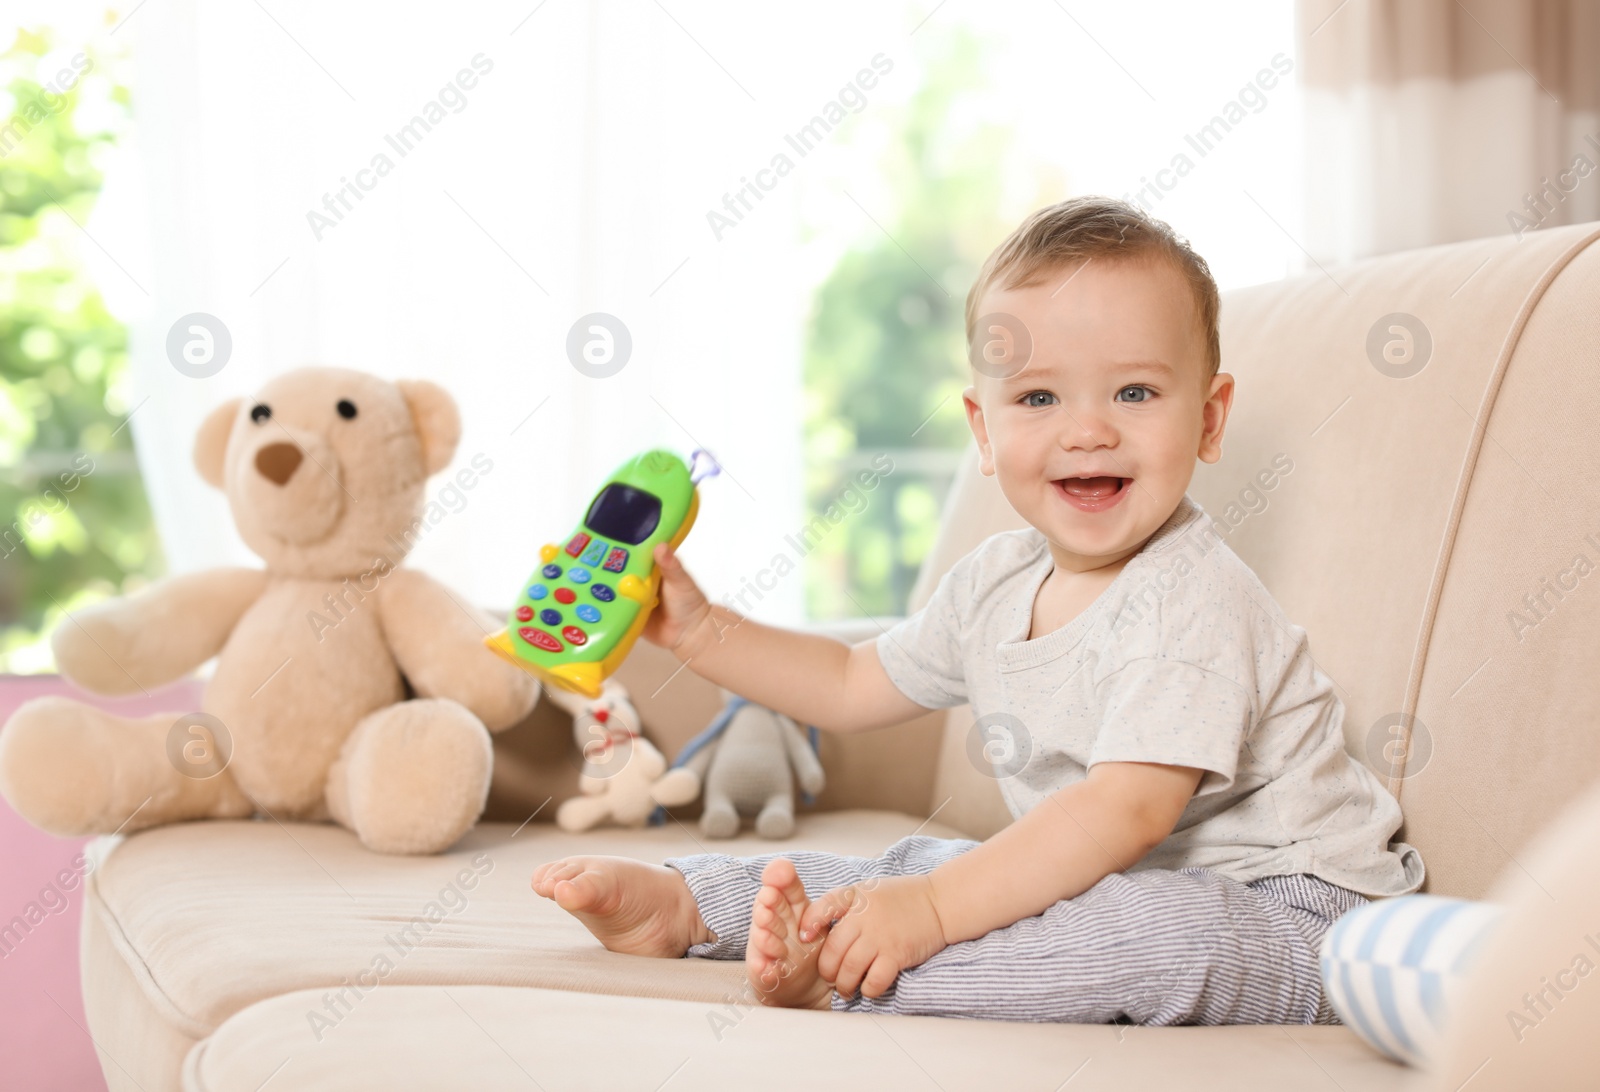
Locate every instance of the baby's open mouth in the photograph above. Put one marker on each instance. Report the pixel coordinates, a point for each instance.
(1098, 488)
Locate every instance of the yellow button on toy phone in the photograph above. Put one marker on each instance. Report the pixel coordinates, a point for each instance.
(634, 588)
(548, 551)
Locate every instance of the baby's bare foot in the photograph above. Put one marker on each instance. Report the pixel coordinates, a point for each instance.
(781, 969)
(630, 906)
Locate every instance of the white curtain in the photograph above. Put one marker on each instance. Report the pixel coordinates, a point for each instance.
(574, 176)
(577, 175)
(1430, 121)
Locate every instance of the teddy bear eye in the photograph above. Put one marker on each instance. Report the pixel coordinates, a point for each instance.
(347, 408)
(260, 412)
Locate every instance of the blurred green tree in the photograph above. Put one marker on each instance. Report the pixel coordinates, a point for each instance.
(76, 521)
(885, 354)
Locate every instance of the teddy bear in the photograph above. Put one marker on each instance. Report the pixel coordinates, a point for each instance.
(747, 760)
(346, 687)
(624, 776)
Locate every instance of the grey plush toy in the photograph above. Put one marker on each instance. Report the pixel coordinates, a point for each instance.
(746, 761)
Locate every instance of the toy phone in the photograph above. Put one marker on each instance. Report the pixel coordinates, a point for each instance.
(580, 612)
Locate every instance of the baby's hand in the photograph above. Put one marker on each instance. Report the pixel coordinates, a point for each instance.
(682, 611)
(884, 926)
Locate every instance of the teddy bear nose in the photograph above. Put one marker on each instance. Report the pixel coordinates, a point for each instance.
(602, 715)
(277, 462)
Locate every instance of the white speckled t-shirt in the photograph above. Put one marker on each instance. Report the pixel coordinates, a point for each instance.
(1184, 659)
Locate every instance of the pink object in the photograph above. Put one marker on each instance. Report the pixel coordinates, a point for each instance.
(43, 1036)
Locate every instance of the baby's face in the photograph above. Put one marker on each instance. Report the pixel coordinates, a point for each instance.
(1111, 389)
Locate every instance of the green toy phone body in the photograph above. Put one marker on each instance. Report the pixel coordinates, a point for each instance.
(580, 612)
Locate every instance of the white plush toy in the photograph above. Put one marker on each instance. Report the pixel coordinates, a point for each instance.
(624, 777)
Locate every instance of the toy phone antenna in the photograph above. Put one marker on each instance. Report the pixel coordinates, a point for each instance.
(711, 470)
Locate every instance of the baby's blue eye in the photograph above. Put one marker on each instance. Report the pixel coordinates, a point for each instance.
(1027, 399)
(1140, 387)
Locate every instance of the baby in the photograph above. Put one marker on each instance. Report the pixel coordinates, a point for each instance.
(1187, 821)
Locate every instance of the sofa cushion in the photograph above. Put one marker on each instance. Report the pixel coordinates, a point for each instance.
(211, 917)
(404, 1038)
(1393, 968)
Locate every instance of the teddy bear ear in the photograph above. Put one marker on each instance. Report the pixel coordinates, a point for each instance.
(437, 420)
(211, 442)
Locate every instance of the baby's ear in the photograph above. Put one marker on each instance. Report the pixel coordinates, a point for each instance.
(211, 442)
(438, 422)
(979, 428)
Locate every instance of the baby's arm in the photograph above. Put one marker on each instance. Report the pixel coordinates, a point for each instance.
(1070, 841)
(812, 678)
(1063, 847)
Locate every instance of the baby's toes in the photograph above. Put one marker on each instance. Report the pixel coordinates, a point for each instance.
(585, 891)
(780, 875)
(768, 945)
(547, 875)
(770, 912)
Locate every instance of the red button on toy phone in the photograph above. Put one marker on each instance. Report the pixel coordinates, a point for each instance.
(564, 595)
(538, 638)
(579, 541)
(524, 614)
(575, 635)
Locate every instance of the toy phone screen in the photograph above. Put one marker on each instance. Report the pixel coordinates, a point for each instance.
(624, 513)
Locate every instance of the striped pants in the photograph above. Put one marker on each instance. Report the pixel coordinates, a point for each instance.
(1151, 946)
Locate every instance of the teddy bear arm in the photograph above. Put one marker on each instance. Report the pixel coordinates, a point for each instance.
(150, 639)
(437, 641)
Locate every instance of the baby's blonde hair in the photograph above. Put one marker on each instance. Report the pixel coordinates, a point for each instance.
(1081, 228)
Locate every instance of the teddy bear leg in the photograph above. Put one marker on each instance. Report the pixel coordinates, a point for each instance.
(413, 777)
(720, 818)
(777, 817)
(71, 769)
